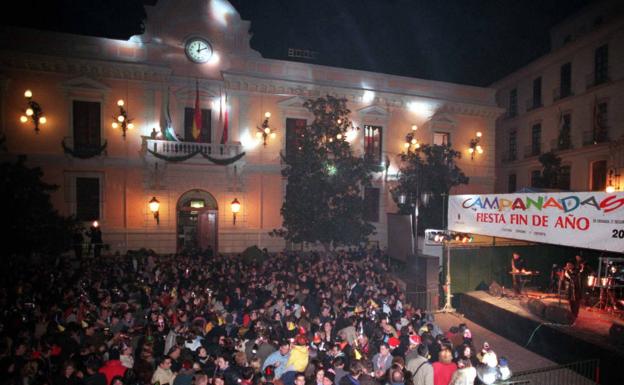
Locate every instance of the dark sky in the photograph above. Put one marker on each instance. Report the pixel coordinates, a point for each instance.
(464, 41)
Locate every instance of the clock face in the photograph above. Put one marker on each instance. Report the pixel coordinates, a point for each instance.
(198, 50)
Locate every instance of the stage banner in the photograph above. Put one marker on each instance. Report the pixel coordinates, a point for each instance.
(593, 220)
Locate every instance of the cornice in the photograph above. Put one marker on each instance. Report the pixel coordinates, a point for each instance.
(11, 60)
(247, 83)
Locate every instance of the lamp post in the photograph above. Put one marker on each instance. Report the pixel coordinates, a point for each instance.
(154, 206)
(448, 306)
(236, 206)
(122, 119)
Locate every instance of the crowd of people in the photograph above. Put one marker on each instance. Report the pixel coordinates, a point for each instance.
(193, 319)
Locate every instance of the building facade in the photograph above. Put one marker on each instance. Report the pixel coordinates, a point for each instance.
(570, 101)
(197, 54)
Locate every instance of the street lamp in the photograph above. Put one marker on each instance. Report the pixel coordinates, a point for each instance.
(154, 205)
(236, 206)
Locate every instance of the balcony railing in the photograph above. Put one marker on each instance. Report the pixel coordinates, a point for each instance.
(171, 149)
(594, 79)
(532, 104)
(532, 150)
(561, 144)
(560, 93)
(595, 137)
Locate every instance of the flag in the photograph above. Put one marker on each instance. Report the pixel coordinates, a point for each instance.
(224, 137)
(166, 127)
(197, 118)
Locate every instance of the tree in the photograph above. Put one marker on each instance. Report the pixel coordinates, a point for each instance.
(30, 221)
(426, 177)
(324, 201)
(551, 175)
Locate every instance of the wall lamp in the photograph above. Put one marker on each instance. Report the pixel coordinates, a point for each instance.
(410, 140)
(122, 120)
(33, 112)
(475, 147)
(613, 181)
(154, 206)
(265, 130)
(236, 206)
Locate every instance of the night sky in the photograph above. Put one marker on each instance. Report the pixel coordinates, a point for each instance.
(464, 41)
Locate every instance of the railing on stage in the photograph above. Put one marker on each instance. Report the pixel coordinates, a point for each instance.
(577, 373)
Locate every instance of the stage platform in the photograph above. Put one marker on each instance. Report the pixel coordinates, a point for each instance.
(587, 339)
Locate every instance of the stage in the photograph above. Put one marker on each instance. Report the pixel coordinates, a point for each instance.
(587, 338)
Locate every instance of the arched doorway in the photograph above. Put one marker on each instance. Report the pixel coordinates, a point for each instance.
(197, 221)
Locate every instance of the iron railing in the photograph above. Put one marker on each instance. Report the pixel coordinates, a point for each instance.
(577, 373)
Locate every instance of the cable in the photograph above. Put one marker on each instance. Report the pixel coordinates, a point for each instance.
(539, 326)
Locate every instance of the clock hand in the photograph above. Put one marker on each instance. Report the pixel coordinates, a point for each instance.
(201, 49)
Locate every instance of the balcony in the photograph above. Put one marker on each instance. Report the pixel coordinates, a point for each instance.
(595, 137)
(532, 150)
(561, 144)
(510, 156)
(171, 151)
(595, 79)
(532, 104)
(561, 93)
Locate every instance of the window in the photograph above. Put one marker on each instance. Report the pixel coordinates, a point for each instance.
(565, 80)
(87, 199)
(206, 130)
(601, 64)
(536, 177)
(598, 175)
(511, 183)
(564, 141)
(602, 116)
(564, 178)
(371, 204)
(537, 92)
(513, 102)
(536, 139)
(442, 138)
(513, 145)
(372, 142)
(295, 128)
(86, 125)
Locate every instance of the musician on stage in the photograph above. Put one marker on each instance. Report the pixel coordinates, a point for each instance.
(584, 270)
(572, 287)
(517, 267)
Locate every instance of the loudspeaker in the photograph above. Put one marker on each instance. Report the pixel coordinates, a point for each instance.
(616, 332)
(495, 289)
(558, 314)
(537, 307)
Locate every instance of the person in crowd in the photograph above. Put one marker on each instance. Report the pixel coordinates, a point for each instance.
(113, 367)
(163, 373)
(279, 359)
(419, 366)
(444, 368)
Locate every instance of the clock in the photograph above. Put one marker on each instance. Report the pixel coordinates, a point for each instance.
(198, 50)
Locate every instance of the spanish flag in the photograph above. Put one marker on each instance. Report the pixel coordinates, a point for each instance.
(197, 118)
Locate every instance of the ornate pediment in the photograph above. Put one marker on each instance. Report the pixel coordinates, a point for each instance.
(293, 102)
(443, 121)
(85, 86)
(374, 110)
(188, 93)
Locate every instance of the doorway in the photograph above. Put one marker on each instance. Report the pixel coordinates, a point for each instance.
(197, 221)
